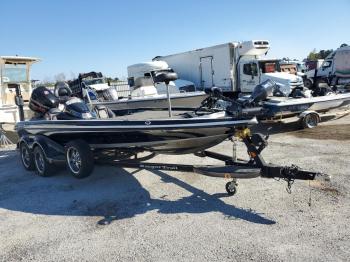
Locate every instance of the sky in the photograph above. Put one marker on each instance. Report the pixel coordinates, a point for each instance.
(107, 36)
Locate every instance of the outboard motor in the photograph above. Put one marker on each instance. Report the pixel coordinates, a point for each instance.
(42, 100)
(262, 91)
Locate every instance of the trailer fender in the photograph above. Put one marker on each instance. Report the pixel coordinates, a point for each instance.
(53, 151)
(309, 119)
(26, 140)
(303, 114)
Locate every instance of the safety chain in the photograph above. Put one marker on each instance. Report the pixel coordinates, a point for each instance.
(288, 172)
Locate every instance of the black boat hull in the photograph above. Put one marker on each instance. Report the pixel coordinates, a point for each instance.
(170, 136)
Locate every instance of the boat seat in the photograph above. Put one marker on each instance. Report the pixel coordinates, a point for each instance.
(104, 112)
(62, 91)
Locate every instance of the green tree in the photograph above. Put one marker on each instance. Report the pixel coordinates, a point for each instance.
(313, 55)
(322, 54)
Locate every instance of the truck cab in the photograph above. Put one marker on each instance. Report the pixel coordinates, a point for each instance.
(142, 84)
(326, 67)
(335, 70)
(255, 71)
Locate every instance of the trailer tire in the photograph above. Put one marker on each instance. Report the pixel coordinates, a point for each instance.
(42, 166)
(79, 159)
(310, 120)
(27, 157)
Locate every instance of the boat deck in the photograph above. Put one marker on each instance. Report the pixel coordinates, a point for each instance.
(163, 114)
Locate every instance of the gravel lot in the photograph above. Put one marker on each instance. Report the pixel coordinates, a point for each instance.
(138, 215)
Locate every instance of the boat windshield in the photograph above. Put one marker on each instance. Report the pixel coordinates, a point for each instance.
(269, 66)
(15, 73)
(94, 81)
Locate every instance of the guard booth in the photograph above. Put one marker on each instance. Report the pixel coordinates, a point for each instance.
(14, 70)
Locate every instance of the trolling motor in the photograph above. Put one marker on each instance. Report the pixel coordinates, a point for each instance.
(18, 100)
(165, 76)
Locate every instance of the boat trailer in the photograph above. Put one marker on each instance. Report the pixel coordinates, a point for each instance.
(232, 169)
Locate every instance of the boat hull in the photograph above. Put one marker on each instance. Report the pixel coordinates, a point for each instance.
(169, 136)
(290, 107)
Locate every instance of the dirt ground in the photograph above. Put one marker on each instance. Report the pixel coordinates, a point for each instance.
(333, 132)
(137, 215)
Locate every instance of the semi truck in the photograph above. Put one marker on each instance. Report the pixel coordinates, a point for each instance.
(235, 67)
(334, 71)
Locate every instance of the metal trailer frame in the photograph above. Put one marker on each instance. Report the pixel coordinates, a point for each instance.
(232, 169)
(331, 114)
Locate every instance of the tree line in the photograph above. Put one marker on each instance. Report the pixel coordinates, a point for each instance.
(322, 54)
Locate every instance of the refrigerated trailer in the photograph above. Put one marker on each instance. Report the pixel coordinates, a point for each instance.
(235, 67)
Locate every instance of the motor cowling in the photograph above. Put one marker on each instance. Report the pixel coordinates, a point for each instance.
(262, 91)
(42, 100)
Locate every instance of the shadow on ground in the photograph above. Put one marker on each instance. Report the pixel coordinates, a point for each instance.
(110, 193)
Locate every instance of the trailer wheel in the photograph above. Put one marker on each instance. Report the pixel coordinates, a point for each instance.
(310, 120)
(79, 158)
(42, 166)
(27, 157)
(231, 188)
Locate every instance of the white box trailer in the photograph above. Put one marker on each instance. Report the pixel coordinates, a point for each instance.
(205, 67)
(234, 67)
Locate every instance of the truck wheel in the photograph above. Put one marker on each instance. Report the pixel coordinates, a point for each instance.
(308, 83)
(79, 158)
(27, 157)
(42, 166)
(310, 120)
